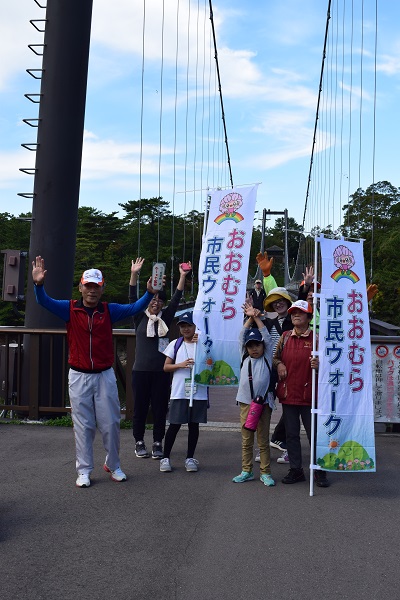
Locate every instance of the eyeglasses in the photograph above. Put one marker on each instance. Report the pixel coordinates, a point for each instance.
(276, 302)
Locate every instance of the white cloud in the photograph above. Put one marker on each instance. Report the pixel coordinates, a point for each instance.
(15, 30)
(105, 158)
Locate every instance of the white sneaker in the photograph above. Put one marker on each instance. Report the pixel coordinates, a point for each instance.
(257, 458)
(165, 465)
(83, 480)
(284, 459)
(117, 475)
(191, 465)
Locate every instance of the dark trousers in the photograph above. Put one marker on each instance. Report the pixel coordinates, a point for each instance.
(172, 432)
(291, 416)
(279, 433)
(150, 388)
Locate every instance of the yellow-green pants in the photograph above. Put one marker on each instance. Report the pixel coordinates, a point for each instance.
(262, 439)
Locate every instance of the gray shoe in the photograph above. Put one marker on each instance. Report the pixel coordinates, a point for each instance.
(141, 450)
(157, 451)
(191, 465)
(165, 465)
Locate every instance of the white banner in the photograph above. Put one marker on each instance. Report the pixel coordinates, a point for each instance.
(386, 380)
(223, 271)
(345, 419)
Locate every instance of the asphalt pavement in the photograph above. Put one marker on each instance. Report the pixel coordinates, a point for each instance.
(190, 536)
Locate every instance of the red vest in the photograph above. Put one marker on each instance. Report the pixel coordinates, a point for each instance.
(90, 337)
(296, 388)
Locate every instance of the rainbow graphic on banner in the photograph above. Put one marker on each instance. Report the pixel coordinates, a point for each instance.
(339, 274)
(237, 217)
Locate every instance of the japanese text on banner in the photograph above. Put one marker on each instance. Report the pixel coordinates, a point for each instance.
(222, 285)
(345, 423)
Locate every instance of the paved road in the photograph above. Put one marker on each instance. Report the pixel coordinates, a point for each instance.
(186, 536)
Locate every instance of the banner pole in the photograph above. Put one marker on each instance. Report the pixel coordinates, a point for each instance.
(314, 373)
(192, 376)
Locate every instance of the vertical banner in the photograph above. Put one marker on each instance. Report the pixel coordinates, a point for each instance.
(386, 380)
(345, 418)
(223, 271)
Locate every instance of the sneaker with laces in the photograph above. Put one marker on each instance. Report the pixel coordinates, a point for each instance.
(157, 451)
(257, 458)
(83, 480)
(117, 475)
(278, 445)
(165, 465)
(267, 479)
(141, 450)
(294, 476)
(244, 476)
(284, 459)
(321, 479)
(191, 465)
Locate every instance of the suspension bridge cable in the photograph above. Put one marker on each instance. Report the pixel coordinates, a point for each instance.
(175, 144)
(335, 111)
(186, 129)
(160, 128)
(342, 108)
(328, 16)
(374, 142)
(195, 141)
(220, 91)
(350, 99)
(361, 93)
(141, 123)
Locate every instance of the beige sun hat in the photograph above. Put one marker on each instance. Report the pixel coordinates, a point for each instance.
(276, 294)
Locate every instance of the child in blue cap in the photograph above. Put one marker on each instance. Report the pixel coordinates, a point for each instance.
(255, 373)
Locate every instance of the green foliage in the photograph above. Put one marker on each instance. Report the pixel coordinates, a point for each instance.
(64, 421)
(150, 228)
(374, 215)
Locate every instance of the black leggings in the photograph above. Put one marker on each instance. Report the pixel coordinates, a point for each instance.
(171, 434)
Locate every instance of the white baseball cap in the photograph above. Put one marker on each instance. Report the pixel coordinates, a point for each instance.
(92, 276)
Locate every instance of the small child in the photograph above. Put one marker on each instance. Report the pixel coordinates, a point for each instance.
(180, 361)
(256, 347)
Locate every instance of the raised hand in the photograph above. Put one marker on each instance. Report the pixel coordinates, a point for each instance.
(38, 271)
(137, 265)
(265, 263)
(308, 276)
(372, 290)
(186, 270)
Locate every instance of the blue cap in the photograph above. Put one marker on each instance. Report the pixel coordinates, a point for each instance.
(252, 335)
(186, 318)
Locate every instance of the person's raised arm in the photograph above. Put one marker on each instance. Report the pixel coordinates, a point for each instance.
(182, 276)
(135, 270)
(38, 271)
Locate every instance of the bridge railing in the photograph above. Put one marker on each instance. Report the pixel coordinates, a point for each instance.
(34, 369)
(35, 383)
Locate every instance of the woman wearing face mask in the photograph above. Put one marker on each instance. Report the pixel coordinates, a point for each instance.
(150, 384)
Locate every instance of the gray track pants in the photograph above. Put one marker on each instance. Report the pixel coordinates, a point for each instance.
(94, 399)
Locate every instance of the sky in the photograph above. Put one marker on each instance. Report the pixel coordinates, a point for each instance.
(172, 142)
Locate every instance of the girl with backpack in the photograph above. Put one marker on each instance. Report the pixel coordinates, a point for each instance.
(180, 356)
